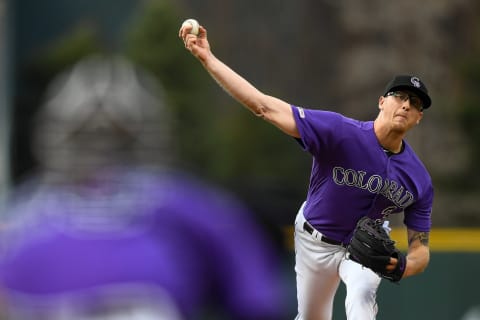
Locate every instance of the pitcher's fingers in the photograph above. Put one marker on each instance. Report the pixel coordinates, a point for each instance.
(202, 32)
(392, 264)
(189, 41)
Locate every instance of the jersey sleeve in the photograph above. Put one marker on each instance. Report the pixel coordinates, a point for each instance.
(317, 128)
(418, 216)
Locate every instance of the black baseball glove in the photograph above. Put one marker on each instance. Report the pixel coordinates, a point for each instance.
(372, 247)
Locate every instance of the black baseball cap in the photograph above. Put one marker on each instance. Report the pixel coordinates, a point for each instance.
(411, 83)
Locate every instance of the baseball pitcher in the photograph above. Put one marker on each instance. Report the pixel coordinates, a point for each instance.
(362, 172)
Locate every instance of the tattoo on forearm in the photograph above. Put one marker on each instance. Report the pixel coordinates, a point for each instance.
(422, 236)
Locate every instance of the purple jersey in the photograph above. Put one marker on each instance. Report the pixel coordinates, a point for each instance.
(171, 232)
(352, 176)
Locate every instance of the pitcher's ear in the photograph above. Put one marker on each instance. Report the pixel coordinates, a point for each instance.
(381, 99)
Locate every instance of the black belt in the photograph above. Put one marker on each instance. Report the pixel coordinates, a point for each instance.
(309, 228)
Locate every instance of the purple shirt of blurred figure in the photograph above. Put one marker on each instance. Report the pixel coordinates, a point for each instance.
(168, 231)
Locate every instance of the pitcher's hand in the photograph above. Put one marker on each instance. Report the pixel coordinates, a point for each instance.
(197, 44)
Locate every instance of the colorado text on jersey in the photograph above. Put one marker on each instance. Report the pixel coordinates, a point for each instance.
(391, 189)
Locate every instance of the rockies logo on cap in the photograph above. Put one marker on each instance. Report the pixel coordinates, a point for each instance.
(415, 81)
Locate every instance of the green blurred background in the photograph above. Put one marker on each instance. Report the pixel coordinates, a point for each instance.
(335, 55)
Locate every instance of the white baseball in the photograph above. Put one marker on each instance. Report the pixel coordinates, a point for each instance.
(194, 24)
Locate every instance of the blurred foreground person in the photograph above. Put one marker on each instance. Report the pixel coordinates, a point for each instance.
(108, 230)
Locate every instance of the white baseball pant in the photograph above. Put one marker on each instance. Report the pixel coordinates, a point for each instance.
(319, 267)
